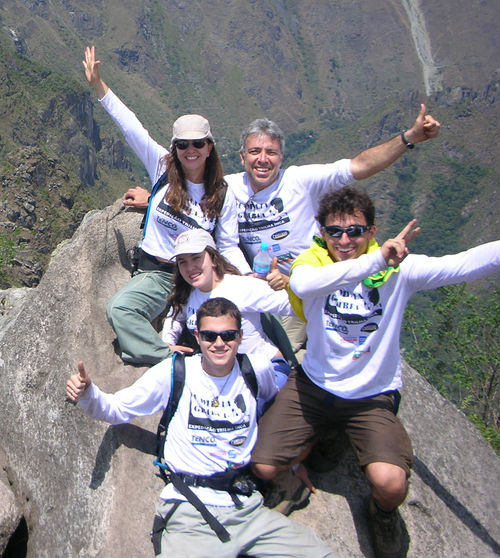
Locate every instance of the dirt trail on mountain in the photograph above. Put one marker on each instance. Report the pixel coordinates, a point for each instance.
(421, 40)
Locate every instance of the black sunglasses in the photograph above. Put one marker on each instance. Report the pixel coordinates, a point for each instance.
(184, 144)
(226, 335)
(352, 231)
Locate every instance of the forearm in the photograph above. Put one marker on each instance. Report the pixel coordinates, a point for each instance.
(100, 87)
(227, 235)
(144, 397)
(425, 272)
(172, 329)
(233, 254)
(378, 158)
(148, 150)
(308, 281)
(255, 295)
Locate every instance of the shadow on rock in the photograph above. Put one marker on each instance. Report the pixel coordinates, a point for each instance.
(129, 435)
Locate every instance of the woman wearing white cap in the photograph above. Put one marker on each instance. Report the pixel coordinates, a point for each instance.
(203, 273)
(189, 192)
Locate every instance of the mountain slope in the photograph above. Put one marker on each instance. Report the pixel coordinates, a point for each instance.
(338, 77)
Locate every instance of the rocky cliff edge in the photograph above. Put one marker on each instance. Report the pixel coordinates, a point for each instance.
(86, 489)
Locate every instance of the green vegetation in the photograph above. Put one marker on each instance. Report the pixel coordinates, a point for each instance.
(297, 143)
(449, 334)
(450, 194)
(7, 255)
(441, 215)
(458, 351)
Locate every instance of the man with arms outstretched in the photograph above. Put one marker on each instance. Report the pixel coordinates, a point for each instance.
(353, 294)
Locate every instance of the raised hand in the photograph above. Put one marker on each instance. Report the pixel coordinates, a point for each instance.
(425, 127)
(92, 74)
(77, 383)
(275, 278)
(137, 197)
(396, 249)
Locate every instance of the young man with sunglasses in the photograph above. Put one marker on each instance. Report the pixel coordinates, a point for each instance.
(208, 444)
(353, 295)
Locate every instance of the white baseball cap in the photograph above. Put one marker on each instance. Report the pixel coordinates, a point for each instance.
(191, 127)
(193, 241)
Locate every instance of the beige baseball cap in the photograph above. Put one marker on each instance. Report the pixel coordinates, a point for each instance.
(191, 127)
(193, 241)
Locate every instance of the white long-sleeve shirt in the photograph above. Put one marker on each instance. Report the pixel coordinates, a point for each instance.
(284, 214)
(164, 224)
(353, 331)
(251, 295)
(202, 439)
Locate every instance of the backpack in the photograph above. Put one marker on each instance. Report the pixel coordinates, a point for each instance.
(177, 385)
(232, 480)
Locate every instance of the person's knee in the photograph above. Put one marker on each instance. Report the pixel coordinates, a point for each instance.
(389, 483)
(116, 313)
(265, 472)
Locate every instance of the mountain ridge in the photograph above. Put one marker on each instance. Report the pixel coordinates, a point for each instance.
(350, 73)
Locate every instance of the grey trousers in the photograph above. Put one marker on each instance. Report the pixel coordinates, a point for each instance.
(132, 309)
(255, 531)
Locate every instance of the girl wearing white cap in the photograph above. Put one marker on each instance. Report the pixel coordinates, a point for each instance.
(189, 192)
(203, 273)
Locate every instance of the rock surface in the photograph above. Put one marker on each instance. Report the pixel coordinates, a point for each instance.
(88, 490)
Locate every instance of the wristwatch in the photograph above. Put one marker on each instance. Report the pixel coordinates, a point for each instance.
(406, 142)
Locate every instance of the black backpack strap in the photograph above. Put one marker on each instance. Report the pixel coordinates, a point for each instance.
(248, 373)
(154, 189)
(191, 497)
(176, 386)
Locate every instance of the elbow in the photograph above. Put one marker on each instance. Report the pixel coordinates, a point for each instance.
(360, 172)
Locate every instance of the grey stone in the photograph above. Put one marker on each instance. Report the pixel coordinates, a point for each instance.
(87, 489)
(10, 511)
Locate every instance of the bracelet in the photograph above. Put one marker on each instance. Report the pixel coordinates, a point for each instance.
(406, 142)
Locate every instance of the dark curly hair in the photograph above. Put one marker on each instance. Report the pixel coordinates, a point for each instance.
(346, 201)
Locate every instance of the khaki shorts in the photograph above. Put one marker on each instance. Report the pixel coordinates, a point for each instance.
(302, 413)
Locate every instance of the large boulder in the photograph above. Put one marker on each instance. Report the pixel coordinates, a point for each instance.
(86, 489)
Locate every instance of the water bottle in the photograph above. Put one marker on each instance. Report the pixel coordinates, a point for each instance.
(262, 261)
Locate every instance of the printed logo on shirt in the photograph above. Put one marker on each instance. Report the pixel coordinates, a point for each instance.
(238, 441)
(195, 219)
(166, 223)
(350, 339)
(280, 235)
(252, 239)
(285, 258)
(359, 353)
(202, 440)
(228, 416)
(191, 318)
(352, 308)
(253, 216)
(228, 455)
(339, 328)
(369, 328)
